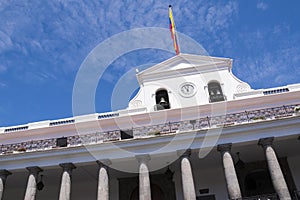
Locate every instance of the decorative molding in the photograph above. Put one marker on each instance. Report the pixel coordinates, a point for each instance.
(242, 87)
(104, 162)
(35, 170)
(224, 147)
(144, 158)
(266, 142)
(67, 166)
(91, 121)
(284, 127)
(4, 173)
(184, 153)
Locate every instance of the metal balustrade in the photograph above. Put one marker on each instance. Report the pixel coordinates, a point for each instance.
(154, 130)
(14, 129)
(262, 197)
(62, 122)
(276, 91)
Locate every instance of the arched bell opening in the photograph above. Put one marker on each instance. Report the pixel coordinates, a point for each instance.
(215, 92)
(162, 100)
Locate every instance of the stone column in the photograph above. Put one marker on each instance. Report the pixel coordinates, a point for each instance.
(65, 187)
(144, 180)
(187, 175)
(278, 181)
(32, 181)
(103, 180)
(3, 175)
(232, 183)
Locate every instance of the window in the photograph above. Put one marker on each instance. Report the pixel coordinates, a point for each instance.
(207, 197)
(62, 142)
(215, 92)
(162, 100)
(258, 182)
(126, 134)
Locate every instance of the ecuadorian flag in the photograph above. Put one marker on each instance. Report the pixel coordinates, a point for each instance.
(173, 31)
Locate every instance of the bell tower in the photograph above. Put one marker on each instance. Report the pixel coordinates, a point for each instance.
(186, 80)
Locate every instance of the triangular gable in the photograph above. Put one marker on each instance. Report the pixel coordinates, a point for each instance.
(184, 62)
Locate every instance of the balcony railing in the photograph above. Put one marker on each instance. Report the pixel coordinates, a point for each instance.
(274, 196)
(262, 197)
(159, 129)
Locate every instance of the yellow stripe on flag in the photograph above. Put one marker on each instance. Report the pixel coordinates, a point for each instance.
(173, 31)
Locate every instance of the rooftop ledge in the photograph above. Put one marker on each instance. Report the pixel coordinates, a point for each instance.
(126, 112)
(205, 123)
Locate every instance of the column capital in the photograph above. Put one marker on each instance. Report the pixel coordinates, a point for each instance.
(224, 147)
(184, 153)
(67, 166)
(266, 142)
(145, 158)
(34, 170)
(4, 173)
(103, 162)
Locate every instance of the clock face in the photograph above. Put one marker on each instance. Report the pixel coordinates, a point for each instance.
(187, 89)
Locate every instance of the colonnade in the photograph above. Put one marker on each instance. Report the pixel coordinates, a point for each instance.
(187, 179)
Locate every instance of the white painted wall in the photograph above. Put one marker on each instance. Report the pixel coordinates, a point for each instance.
(146, 96)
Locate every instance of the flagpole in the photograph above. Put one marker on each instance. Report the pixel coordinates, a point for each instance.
(173, 31)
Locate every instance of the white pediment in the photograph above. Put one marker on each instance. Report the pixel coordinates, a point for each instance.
(185, 63)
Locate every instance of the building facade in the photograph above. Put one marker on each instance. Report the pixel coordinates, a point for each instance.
(193, 131)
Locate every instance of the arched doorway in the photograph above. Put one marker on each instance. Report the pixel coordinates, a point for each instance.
(156, 193)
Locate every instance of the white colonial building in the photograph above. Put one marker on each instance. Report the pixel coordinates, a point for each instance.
(193, 131)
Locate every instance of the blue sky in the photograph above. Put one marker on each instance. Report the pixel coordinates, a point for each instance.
(43, 43)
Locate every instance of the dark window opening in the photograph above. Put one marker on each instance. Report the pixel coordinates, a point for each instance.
(258, 182)
(61, 142)
(162, 100)
(126, 134)
(156, 193)
(215, 92)
(206, 197)
(204, 191)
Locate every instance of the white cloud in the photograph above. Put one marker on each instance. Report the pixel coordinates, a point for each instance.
(269, 69)
(262, 6)
(2, 84)
(219, 16)
(57, 35)
(2, 68)
(4, 4)
(268, 56)
(54, 37)
(5, 41)
(208, 22)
